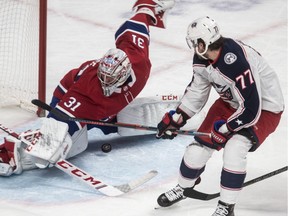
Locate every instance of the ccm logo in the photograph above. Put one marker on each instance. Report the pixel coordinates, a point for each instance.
(169, 97)
(75, 171)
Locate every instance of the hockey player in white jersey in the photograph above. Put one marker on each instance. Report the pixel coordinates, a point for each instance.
(248, 109)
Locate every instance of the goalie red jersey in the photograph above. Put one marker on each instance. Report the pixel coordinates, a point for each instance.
(80, 92)
(97, 90)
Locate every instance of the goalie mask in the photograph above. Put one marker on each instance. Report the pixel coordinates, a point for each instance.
(113, 71)
(203, 28)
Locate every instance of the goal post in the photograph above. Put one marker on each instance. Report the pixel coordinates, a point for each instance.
(42, 54)
(23, 32)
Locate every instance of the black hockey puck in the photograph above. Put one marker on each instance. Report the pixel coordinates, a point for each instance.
(106, 147)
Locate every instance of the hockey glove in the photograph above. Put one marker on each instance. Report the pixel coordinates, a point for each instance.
(156, 9)
(220, 134)
(9, 157)
(169, 124)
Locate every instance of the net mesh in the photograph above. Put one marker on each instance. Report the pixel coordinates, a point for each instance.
(19, 48)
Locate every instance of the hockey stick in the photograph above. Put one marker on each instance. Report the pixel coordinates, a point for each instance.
(88, 179)
(116, 124)
(191, 193)
(99, 185)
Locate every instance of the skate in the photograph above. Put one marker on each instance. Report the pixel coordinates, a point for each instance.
(174, 195)
(224, 209)
(170, 197)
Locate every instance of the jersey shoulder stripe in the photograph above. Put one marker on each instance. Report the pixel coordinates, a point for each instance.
(133, 26)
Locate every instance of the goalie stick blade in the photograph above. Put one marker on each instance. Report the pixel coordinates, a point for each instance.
(99, 185)
(86, 178)
(125, 188)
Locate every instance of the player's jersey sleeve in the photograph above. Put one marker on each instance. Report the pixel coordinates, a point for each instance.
(133, 38)
(197, 92)
(69, 79)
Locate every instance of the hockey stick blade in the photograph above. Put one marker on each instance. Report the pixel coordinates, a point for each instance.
(99, 185)
(125, 188)
(194, 194)
(116, 124)
(191, 193)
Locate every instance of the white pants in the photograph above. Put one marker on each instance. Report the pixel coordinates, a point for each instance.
(234, 161)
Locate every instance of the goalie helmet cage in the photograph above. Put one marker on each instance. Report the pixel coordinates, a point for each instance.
(23, 30)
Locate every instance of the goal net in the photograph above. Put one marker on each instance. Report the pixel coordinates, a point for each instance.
(22, 52)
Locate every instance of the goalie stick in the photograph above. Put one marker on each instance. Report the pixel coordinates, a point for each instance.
(65, 117)
(191, 193)
(86, 178)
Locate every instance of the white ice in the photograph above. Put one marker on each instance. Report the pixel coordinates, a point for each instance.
(82, 30)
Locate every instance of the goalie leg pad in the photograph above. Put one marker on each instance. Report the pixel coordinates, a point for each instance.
(149, 111)
(80, 142)
(143, 111)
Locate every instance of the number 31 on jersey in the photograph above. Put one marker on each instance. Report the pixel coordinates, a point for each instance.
(72, 104)
(138, 41)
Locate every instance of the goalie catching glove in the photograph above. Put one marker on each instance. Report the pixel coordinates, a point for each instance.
(171, 121)
(156, 9)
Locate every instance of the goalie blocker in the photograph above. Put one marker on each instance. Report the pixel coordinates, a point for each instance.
(34, 149)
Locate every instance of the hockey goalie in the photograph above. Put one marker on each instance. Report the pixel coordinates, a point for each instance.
(98, 89)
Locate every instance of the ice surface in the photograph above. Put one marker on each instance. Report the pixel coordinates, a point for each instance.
(82, 30)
